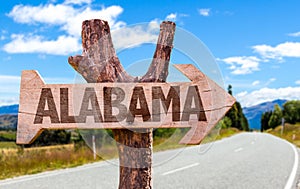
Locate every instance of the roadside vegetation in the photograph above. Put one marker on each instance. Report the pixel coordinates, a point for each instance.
(16, 161)
(283, 122)
(235, 117)
(290, 132)
(56, 149)
(290, 113)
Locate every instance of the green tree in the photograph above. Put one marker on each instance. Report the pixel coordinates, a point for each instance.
(291, 111)
(163, 132)
(242, 118)
(276, 117)
(52, 137)
(264, 122)
(229, 89)
(225, 123)
(236, 115)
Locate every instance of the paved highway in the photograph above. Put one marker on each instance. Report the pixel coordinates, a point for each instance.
(247, 160)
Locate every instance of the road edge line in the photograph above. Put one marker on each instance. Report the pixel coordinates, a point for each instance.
(292, 176)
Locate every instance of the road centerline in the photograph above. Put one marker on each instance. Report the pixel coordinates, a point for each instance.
(180, 169)
(238, 149)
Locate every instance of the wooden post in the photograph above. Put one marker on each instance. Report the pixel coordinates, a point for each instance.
(94, 147)
(99, 63)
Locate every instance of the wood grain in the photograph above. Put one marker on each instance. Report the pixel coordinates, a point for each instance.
(215, 101)
(99, 63)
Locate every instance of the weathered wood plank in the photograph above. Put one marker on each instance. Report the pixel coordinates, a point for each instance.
(215, 99)
(68, 100)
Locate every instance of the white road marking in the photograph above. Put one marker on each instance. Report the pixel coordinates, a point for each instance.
(291, 179)
(46, 174)
(180, 169)
(238, 149)
(292, 176)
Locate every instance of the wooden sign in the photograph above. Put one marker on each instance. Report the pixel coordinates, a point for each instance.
(198, 104)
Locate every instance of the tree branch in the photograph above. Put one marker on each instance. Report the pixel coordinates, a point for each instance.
(98, 62)
(158, 70)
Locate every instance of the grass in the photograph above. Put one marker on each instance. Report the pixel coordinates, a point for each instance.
(8, 135)
(167, 143)
(10, 145)
(22, 162)
(290, 133)
(15, 161)
(224, 133)
(161, 144)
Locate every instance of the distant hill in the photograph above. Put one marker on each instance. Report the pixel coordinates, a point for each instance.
(9, 117)
(13, 109)
(253, 113)
(8, 122)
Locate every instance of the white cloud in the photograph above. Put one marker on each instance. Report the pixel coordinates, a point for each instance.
(271, 80)
(63, 45)
(267, 94)
(66, 16)
(135, 35)
(8, 80)
(204, 12)
(287, 49)
(297, 82)
(78, 2)
(296, 34)
(3, 35)
(9, 89)
(110, 14)
(254, 83)
(241, 94)
(49, 13)
(9, 100)
(242, 64)
(171, 17)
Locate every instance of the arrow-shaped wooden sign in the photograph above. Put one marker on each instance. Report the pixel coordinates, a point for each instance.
(198, 104)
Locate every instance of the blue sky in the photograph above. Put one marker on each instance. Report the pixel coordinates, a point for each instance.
(256, 44)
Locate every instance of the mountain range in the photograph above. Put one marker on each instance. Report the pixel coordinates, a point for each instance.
(12, 109)
(8, 117)
(254, 113)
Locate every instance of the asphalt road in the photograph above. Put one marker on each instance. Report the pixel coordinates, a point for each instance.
(247, 160)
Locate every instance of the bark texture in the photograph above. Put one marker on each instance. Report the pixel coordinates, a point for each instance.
(99, 63)
(158, 70)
